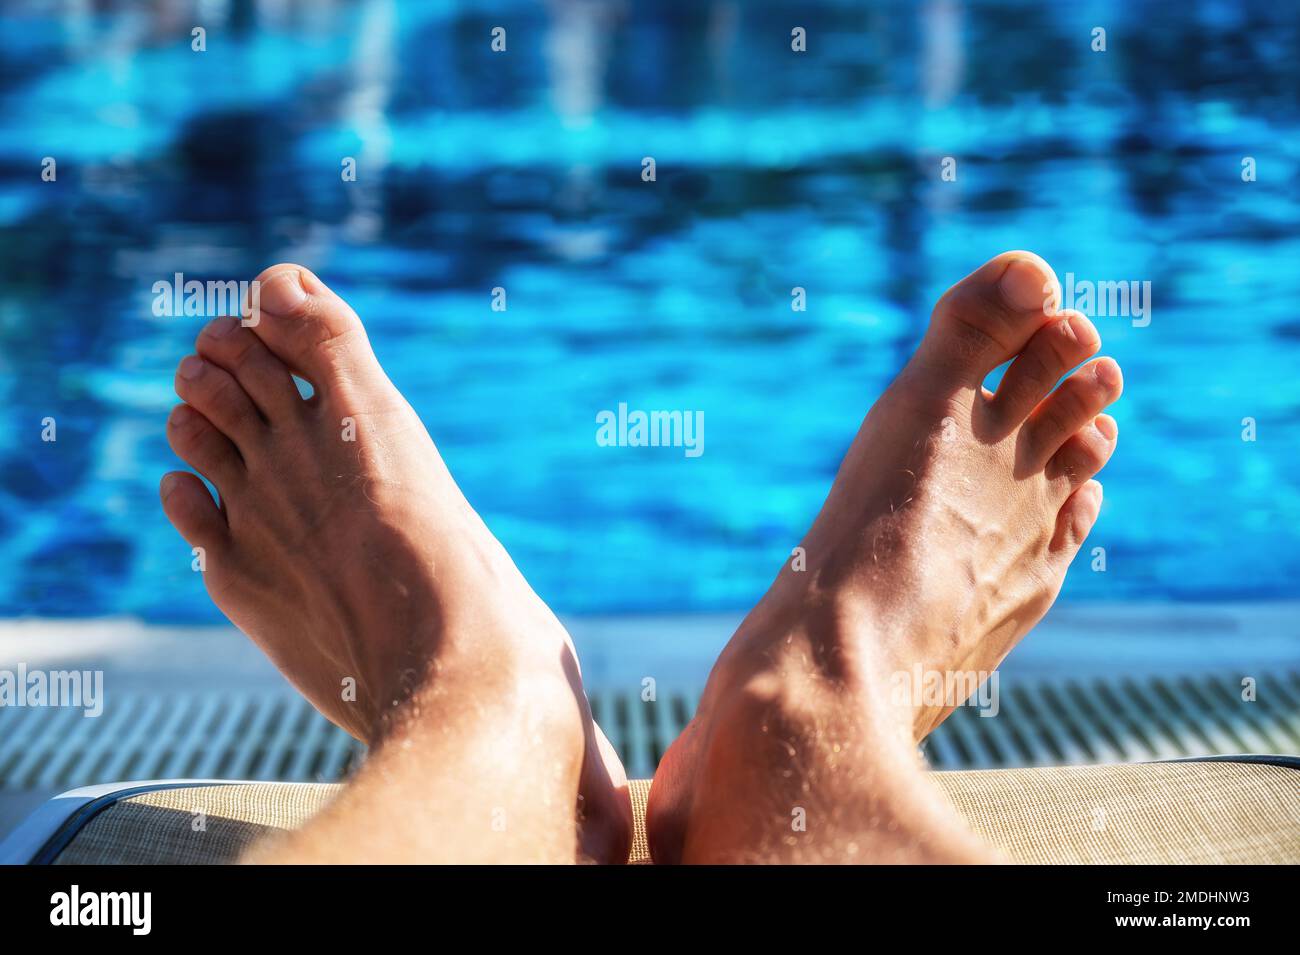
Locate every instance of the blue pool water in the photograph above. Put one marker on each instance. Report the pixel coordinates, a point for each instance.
(522, 170)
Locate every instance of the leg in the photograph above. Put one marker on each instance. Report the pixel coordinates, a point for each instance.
(798, 764)
(344, 549)
(476, 767)
(946, 536)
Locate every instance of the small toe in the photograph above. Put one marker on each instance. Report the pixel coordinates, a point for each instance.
(309, 328)
(1084, 454)
(263, 377)
(1079, 399)
(193, 513)
(1075, 520)
(204, 448)
(214, 393)
(989, 316)
(1063, 343)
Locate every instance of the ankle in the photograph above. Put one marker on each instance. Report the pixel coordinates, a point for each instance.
(785, 726)
(512, 702)
(828, 643)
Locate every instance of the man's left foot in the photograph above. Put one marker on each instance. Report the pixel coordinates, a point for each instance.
(945, 538)
(345, 550)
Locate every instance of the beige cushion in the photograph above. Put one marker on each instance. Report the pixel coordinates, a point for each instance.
(193, 825)
(1194, 812)
(1147, 813)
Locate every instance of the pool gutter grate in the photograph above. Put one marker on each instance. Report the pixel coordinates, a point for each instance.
(277, 735)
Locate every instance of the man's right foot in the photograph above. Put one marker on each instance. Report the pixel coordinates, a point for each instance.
(343, 547)
(946, 536)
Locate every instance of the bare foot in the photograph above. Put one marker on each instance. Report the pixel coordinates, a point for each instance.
(946, 536)
(343, 547)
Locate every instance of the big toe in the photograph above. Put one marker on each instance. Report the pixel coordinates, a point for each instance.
(989, 316)
(310, 328)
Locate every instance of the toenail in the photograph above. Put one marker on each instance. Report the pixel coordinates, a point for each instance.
(1108, 373)
(1107, 426)
(221, 327)
(182, 416)
(283, 293)
(170, 482)
(191, 367)
(1085, 333)
(1026, 288)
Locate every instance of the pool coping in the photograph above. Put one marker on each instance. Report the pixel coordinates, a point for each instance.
(1083, 639)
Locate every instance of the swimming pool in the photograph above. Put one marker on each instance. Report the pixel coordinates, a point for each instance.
(522, 170)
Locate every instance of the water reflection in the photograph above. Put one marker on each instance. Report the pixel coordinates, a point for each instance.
(522, 170)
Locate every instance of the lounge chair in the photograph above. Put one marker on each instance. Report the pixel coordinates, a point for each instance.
(1221, 809)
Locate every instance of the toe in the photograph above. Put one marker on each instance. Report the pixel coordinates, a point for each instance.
(1084, 454)
(1058, 346)
(309, 328)
(1079, 399)
(990, 315)
(193, 513)
(214, 393)
(204, 448)
(1075, 520)
(263, 377)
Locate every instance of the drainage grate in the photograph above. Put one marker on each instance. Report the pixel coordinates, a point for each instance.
(145, 735)
(1046, 722)
(275, 735)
